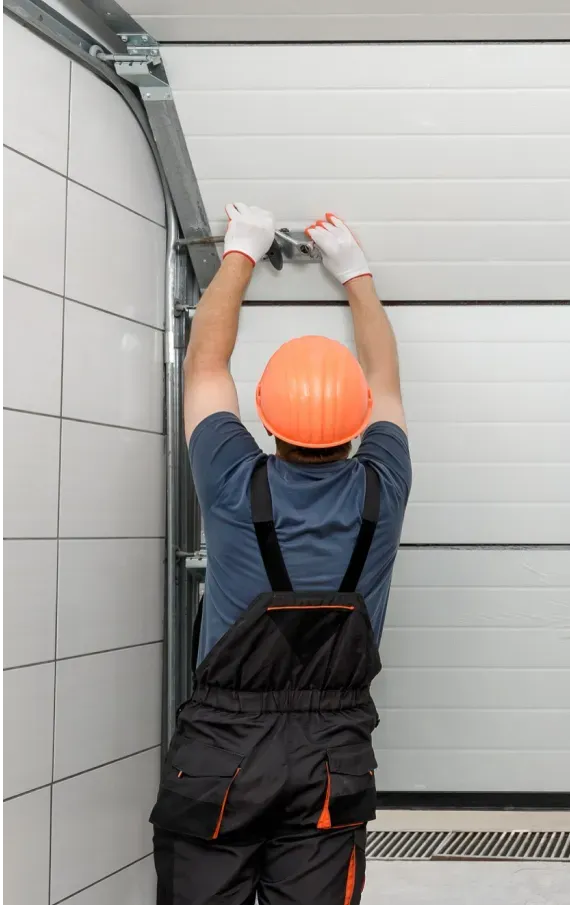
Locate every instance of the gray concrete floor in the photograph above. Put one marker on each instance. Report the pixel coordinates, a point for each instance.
(466, 883)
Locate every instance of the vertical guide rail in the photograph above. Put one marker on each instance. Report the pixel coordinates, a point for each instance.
(191, 532)
(173, 419)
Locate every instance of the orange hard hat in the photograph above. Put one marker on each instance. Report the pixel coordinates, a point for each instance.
(314, 393)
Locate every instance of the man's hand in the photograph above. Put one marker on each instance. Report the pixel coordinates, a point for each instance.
(251, 231)
(342, 255)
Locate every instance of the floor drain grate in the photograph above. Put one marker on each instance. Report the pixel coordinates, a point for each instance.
(403, 845)
(514, 845)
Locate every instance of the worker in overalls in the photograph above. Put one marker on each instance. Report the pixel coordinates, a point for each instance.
(269, 781)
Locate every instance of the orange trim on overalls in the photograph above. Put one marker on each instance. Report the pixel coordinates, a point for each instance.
(324, 822)
(331, 606)
(351, 878)
(223, 807)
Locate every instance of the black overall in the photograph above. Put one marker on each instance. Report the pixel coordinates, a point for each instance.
(269, 780)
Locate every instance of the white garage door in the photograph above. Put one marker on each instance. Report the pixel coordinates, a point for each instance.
(453, 165)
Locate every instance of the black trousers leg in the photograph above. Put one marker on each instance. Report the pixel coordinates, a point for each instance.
(314, 868)
(195, 872)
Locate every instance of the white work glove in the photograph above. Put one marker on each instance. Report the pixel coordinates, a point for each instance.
(342, 255)
(250, 232)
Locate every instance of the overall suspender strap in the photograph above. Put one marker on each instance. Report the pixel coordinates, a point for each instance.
(196, 627)
(262, 515)
(370, 515)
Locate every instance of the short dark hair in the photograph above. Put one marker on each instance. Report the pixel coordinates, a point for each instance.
(304, 455)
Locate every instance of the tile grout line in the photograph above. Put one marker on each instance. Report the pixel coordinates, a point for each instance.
(90, 653)
(59, 479)
(108, 763)
(93, 537)
(102, 879)
(122, 427)
(82, 185)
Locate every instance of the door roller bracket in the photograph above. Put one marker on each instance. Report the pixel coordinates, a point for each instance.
(291, 246)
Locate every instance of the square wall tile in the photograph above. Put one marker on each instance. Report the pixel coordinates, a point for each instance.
(30, 577)
(34, 223)
(107, 706)
(135, 885)
(37, 388)
(28, 727)
(115, 259)
(112, 482)
(36, 96)
(113, 370)
(100, 822)
(115, 160)
(27, 830)
(111, 594)
(31, 474)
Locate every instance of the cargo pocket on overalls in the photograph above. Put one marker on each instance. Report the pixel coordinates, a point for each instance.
(350, 795)
(195, 789)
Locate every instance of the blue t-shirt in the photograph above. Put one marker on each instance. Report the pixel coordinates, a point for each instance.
(317, 511)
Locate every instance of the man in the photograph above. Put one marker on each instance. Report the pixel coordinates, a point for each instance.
(269, 782)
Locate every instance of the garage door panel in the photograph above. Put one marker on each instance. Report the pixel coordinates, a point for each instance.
(399, 156)
(462, 569)
(488, 607)
(461, 729)
(445, 362)
(388, 112)
(476, 671)
(367, 66)
(467, 402)
(456, 241)
(471, 689)
(489, 442)
(507, 648)
(512, 483)
(473, 771)
(426, 323)
(422, 281)
(411, 145)
(299, 200)
(483, 523)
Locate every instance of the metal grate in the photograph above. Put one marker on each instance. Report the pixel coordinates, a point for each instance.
(404, 845)
(514, 845)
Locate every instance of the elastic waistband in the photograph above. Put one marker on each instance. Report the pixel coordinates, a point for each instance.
(303, 700)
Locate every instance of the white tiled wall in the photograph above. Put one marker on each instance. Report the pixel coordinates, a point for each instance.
(84, 522)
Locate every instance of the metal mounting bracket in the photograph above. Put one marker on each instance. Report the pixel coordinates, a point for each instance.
(194, 562)
(291, 245)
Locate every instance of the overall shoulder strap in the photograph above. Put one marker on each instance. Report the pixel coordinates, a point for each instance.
(195, 644)
(370, 515)
(262, 515)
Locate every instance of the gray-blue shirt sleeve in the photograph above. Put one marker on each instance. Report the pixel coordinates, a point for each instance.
(385, 446)
(218, 445)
